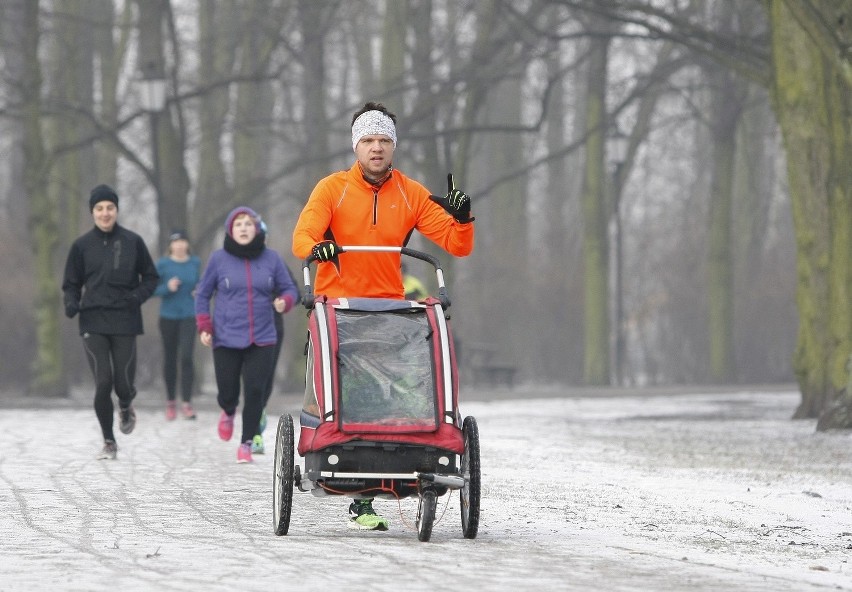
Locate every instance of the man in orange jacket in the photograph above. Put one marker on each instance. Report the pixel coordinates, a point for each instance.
(374, 204)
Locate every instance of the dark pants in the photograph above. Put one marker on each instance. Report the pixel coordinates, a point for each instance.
(112, 359)
(178, 337)
(253, 365)
(279, 331)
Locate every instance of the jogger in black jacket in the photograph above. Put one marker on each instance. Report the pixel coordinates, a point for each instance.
(109, 273)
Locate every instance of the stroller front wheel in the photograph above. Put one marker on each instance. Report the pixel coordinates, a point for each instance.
(282, 483)
(426, 514)
(469, 466)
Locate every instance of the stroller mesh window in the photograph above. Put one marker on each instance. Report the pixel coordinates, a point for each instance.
(385, 369)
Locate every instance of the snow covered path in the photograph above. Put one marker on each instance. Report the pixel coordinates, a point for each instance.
(717, 491)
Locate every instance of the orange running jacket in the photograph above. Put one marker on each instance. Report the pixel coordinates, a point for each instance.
(346, 208)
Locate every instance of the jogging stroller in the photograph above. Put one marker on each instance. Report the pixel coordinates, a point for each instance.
(380, 415)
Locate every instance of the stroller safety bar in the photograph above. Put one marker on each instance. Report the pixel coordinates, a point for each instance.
(451, 481)
(443, 295)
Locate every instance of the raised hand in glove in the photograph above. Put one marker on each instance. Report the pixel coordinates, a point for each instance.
(456, 202)
(326, 251)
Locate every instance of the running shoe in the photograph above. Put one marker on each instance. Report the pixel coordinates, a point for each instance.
(188, 411)
(127, 419)
(244, 453)
(263, 420)
(365, 517)
(226, 426)
(257, 445)
(109, 451)
(171, 410)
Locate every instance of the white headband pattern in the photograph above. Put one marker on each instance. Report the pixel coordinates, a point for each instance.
(372, 123)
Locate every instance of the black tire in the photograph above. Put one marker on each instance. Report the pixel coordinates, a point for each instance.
(426, 514)
(282, 476)
(469, 467)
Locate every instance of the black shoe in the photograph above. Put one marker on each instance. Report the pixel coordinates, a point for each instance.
(127, 419)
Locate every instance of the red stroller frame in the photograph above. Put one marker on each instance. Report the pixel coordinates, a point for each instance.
(380, 416)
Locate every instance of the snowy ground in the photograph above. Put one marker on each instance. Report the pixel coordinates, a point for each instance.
(713, 491)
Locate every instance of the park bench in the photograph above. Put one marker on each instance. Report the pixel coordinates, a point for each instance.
(486, 366)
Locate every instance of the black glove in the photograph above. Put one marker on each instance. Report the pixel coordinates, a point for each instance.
(71, 310)
(326, 251)
(456, 202)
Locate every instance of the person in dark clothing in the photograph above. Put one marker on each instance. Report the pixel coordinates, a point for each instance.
(179, 272)
(257, 444)
(249, 284)
(109, 273)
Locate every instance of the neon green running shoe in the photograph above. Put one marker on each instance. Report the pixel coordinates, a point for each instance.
(257, 445)
(365, 517)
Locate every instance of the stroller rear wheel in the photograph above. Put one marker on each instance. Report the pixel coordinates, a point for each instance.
(282, 483)
(469, 467)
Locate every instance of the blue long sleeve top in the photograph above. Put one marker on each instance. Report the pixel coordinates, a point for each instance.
(180, 304)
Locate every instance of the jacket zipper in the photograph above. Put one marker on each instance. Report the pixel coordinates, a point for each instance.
(250, 303)
(375, 206)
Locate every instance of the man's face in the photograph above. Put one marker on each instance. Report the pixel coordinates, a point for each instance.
(243, 229)
(105, 214)
(375, 154)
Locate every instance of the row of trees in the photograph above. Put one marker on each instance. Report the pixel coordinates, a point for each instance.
(715, 248)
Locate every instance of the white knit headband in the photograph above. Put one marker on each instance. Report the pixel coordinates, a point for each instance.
(372, 123)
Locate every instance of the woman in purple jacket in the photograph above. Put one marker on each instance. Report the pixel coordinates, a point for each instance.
(247, 281)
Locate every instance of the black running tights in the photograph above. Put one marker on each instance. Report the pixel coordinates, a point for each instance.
(112, 359)
(178, 336)
(253, 365)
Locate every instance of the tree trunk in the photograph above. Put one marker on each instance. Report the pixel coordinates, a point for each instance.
(312, 15)
(168, 173)
(394, 51)
(47, 376)
(217, 52)
(110, 57)
(813, 101)
(726, 106)
(596, 365)
(253, 110)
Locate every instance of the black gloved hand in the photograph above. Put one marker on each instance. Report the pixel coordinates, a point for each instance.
(326, 251)
(456, 202)
(71, 310)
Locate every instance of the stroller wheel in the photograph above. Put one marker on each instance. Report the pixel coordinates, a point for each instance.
(469, 467)
(426, 514)
(282, 476)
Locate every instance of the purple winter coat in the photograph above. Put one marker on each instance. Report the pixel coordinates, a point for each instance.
(243, 316)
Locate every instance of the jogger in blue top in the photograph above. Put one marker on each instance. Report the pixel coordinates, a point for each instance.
(179, 273)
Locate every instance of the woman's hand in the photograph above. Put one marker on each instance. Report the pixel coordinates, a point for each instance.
(206, 338)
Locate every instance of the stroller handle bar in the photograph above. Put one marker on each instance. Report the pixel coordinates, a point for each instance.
(443, 295)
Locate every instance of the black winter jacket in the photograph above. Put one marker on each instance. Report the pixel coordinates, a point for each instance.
(108, 275)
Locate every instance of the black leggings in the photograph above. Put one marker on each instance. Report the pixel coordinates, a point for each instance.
(253, 364)
(279, 331)
(178, 337)
(112, 359)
